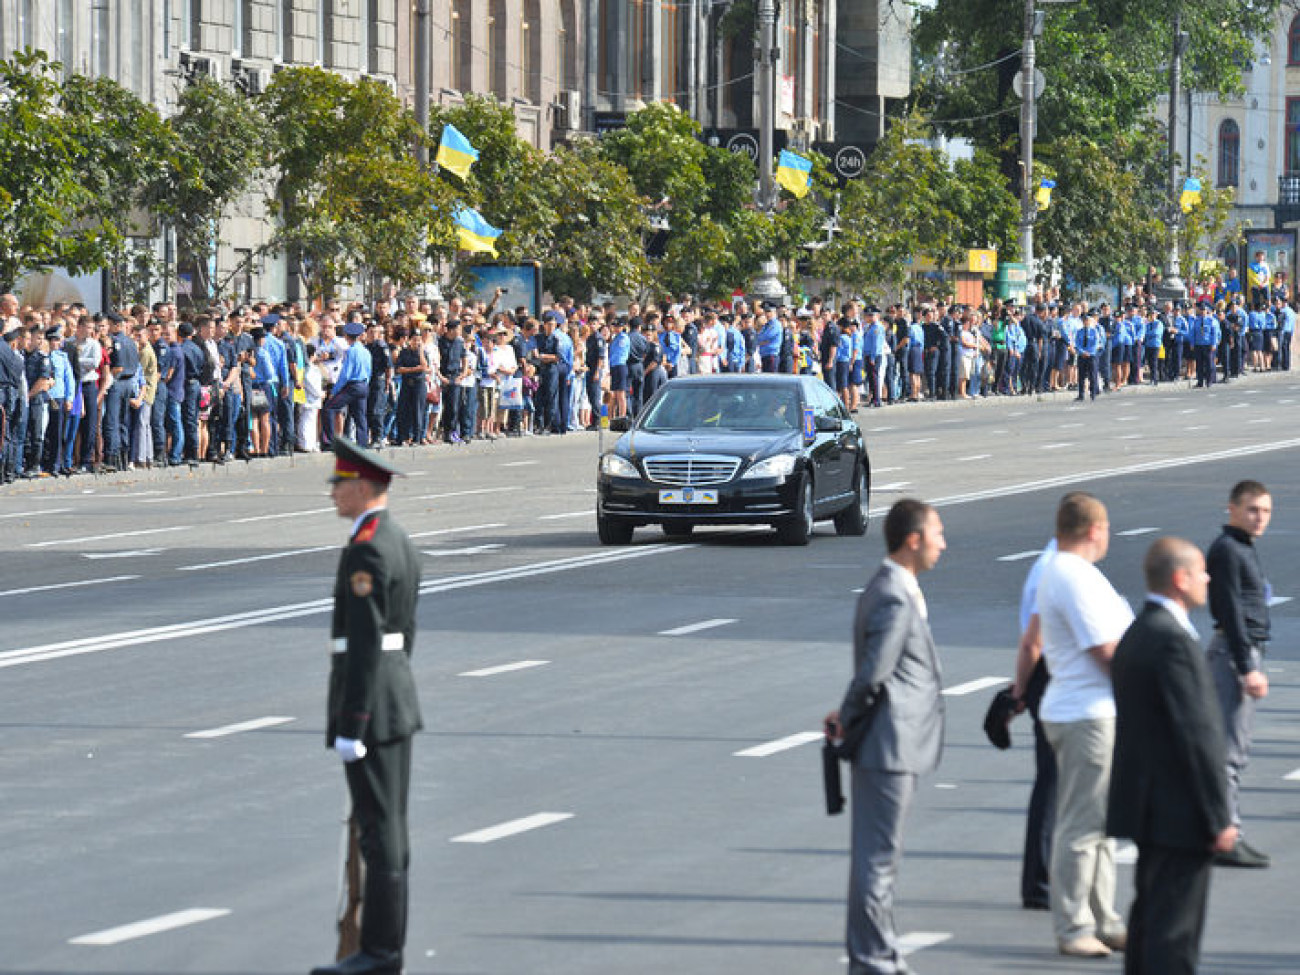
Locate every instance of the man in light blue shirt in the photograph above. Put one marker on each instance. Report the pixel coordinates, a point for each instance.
(1286, 332)
(351, 391)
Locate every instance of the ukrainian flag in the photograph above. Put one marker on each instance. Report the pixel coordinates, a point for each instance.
(1191, 195)
(474, 233)
(1043, 196)
(455, 152)
(794, 172)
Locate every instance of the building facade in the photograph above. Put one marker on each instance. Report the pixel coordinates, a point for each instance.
(564, 66)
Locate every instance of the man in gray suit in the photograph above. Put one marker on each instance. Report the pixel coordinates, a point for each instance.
(891, 726)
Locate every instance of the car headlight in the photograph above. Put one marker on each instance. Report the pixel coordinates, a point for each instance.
(613, 465)
(782, 465)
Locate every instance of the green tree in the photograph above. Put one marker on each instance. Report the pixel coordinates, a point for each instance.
(349, 196)
(216, 153)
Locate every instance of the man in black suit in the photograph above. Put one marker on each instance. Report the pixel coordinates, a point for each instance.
(1168, 789)
(891, 722)
(373, 710)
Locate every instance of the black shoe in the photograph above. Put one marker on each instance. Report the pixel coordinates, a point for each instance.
(363, 963)
(1243, 855)
(1036, 904)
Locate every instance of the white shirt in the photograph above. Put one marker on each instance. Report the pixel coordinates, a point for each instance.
(1029, 594)
(1176, 611)
(1078, 608)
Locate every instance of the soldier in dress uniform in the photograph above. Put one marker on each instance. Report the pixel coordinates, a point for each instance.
(373, 709)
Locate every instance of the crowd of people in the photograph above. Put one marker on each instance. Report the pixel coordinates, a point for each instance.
(83, 392)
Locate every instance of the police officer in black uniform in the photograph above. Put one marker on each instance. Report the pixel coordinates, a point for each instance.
(373, 708)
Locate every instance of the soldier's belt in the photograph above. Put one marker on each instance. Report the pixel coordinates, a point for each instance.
(392, 641)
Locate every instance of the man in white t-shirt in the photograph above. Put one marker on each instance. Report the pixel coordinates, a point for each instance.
(1081, 618)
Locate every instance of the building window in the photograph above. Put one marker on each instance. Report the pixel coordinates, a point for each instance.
(1293, 41)
(1293, 135)
(372, 36)
(460, 44)
(497, 61)
(325, 33)
(567, 46)
(284, 32)
(1229, 152)
(99, 66)
(65, 32)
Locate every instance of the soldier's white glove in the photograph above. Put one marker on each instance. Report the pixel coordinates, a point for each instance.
(350, 749)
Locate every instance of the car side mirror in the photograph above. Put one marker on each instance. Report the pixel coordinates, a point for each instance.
(619, 424)
(827, 424)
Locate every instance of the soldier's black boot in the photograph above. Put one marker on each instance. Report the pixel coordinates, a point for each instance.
(383, 923)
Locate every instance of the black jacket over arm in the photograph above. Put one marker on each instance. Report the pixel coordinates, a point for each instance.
(1168, 782)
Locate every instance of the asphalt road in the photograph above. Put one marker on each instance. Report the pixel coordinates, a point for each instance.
(599, 696)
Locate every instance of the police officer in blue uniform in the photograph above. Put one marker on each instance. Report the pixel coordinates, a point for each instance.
(1205, 339)
(352, 389)
(124, 363)
(1087, 343)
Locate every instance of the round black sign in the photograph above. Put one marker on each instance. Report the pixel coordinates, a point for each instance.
(850, 162)
(744, 144)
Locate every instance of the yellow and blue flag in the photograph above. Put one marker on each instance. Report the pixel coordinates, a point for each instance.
(474, 233)
(455, 152)
(794, 172)
(1043, 195)
(1191, 195)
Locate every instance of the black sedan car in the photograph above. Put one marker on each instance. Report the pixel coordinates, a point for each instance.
(736, 450)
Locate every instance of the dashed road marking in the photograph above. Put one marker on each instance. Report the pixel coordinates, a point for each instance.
(1292, 776)
(521, 463)
(891, 486)
(971, 686)
(1278, 600)
(695, 627)
(1261, 419)
(255, 724)
(280, 515)
(67, 585)
(512, 828)
(186, 498)
(468, 492)
(1018, 556)
(1132, 436)
(254, 558)
(35, 514)
(962, 460)
(104, 538)
(504, 668)
(155, 925)
(468, 550)
(456, 531)
(780, 745)
(1056, 446)
(920, 440)
(585, 513)
(134, 553)
(1137, 531)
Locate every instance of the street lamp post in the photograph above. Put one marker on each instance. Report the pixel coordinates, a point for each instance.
(1028, 206)
(767, 286)
(1171, 285)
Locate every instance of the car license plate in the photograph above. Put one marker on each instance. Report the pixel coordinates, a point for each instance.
(688, 496)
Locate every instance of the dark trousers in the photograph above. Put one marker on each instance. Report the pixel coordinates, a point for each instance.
(1238, 719)
(1168, 915)
(190, 418)
(232, 420)
(593, 395)
(561, 402)
(1152, 358)
(1029, 370)
(1035, 886)
(879, 805)
(380, 786)
(89, 421)
(351, 398)
(931, 372)
(284, 428)
(376, 408)
(1087, 374)
(1205, 365)
(468, 410)
(117, 432)
(409, 400)
(158, 424)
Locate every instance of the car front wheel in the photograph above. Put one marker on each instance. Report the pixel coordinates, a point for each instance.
(678, 529)
(853, 519)
(612, 532)
(798, 528)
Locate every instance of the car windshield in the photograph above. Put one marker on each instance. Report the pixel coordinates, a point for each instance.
(699, 406)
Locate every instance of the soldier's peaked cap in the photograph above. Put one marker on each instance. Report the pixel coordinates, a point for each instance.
(352, 462)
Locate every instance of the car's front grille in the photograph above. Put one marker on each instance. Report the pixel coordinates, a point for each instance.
(691, 470)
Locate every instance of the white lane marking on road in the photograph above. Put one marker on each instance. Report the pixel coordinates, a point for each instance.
(1126, 853)
(915, 941)
(134, 553)
(881, 429)
(1193, 429)
(283, 514)
(1017, 413)
(468, 550)
(1137, 531)
(885, 470)
(1237, 406)
(971, 686)
(457, 531)
(1250, 392)
(33, 514)
(104, 538)
(859, 590)
(695, 627)
(273, 614)
(1261, 419)
(1278, 600)
(504, 668)
(780, 745)
(945, 785)
(588, 513)
(1056, 446)
(962, 460)
(184, 498)
(254, 558)
(254, 724)
(944, 423)
(154, 925)
(67, 585)
(1292, 776)
(521, 463)
(1072, 426)
(920, 440)
(891, 486)
(468, 492)
(1018, 556)
(1285, 402)
(1132, 436)
(1186, 412)
(512, 828)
